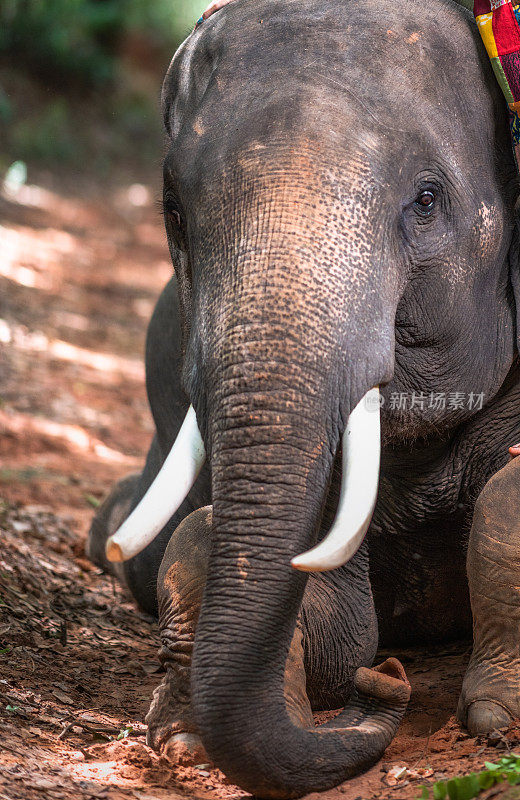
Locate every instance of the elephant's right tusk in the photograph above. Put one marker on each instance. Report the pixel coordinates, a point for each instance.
(170, 487)
(359, 482)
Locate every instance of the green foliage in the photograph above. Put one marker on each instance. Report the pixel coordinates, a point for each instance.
(77, 42)
(171, 20)
(79, 80)
(469, 786)
(66, 40)
(47, 137)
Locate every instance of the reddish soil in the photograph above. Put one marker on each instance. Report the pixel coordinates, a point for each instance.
(79, 275)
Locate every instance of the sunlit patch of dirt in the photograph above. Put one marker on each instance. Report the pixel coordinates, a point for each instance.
(79, 274)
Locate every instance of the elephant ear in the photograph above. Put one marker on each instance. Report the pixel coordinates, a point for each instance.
(514, 269)
(507, 30)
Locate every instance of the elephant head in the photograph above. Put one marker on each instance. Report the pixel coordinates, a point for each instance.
(339, 194)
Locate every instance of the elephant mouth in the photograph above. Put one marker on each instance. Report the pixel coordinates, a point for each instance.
(361, 445)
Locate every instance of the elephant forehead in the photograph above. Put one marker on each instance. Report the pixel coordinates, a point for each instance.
(278, 56)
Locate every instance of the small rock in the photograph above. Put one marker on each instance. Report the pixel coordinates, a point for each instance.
(86, 717)
(151, 667)
(396, 774)
(495, 739)
(62, 697)
(21, 527)
(41, 783)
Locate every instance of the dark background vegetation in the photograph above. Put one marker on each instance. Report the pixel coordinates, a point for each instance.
(80, 80)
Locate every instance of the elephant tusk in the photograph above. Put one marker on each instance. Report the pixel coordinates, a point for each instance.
(359, 482)
(170, 487)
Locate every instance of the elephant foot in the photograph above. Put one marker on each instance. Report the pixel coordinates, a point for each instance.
(485, 716)
(185, 749)
(490, 697)
(109, 517)
(171, 731)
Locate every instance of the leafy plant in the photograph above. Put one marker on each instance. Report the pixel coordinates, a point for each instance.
(469, 786)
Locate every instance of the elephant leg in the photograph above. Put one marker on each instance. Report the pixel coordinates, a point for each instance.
(110, 515)
(172, 730)
(137, 576)
(490, 696)
(180, 584)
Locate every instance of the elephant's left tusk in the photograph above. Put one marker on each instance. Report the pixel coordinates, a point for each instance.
(359, 482)
(170, 487)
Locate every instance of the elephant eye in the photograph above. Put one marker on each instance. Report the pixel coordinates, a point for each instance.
(172, 212)
(174, 219)
(425, 201)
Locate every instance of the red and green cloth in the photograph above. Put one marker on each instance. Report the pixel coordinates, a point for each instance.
(499, 25)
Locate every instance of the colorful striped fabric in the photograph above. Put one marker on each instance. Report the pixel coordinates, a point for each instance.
(499, 25)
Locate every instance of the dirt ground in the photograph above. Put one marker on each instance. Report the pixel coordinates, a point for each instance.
(80, 268)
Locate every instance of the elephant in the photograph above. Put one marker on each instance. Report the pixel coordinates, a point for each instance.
(340, 203)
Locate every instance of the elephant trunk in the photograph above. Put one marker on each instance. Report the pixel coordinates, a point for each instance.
(272, 456)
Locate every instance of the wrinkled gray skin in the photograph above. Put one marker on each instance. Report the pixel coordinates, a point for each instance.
(302, 134)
